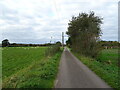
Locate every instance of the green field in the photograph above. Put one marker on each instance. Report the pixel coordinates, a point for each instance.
(105, 66)
(109, 56)
(28, 67)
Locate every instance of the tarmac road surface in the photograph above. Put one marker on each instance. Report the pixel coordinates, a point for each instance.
(74, 74)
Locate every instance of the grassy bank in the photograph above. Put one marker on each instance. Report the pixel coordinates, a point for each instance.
(29, 67)
(106, 65)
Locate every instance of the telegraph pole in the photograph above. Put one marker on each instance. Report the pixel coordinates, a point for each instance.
(50, 40)
(62, 39)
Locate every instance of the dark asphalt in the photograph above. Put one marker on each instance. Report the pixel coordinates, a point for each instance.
(74, 74)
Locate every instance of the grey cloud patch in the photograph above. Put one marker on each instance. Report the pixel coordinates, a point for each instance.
(19, 33)
(110, 37)
(4, 8)
(9, 15)
(119, 21)
(30, 41)
(39, 22)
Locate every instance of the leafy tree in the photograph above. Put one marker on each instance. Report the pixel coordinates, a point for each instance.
(58, 43)
(5, 43)
(84, 32)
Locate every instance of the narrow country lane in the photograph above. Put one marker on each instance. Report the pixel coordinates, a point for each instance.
(74, 74)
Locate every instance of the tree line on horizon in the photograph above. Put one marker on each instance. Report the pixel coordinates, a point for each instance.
(6, 43)
(103, 44)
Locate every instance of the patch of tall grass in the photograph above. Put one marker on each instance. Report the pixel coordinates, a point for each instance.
(51, 50)
(106, 67)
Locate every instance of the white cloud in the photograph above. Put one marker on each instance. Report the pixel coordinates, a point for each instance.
(41, 19)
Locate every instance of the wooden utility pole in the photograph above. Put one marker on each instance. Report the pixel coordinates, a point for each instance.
(62, 39)
(50, 40)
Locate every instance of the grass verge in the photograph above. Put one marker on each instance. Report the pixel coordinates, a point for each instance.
(107, 71)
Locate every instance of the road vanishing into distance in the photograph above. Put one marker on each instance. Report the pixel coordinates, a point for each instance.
(74, 74)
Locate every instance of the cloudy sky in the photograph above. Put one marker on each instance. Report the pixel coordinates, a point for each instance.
(36, 21)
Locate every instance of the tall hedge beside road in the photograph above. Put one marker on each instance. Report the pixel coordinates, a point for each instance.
(84, 33)
(52, 49)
